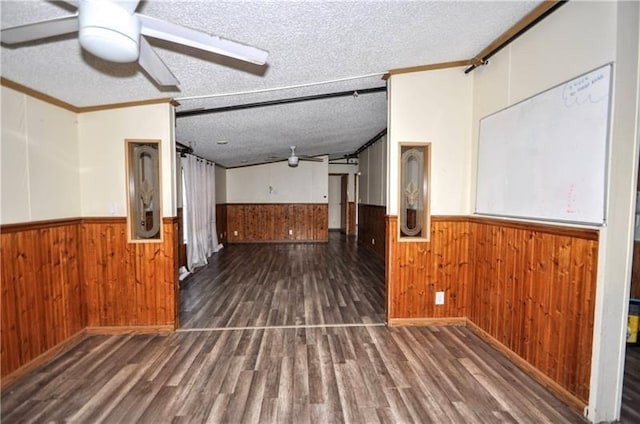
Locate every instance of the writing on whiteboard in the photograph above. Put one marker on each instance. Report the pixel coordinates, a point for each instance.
(592, 87)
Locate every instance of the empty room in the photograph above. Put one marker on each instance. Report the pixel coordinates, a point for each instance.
(276, 211)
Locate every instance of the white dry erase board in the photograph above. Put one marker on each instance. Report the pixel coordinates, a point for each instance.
(546, 157)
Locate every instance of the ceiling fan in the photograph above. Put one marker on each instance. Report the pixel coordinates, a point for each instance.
(111, 30)
(294, 159)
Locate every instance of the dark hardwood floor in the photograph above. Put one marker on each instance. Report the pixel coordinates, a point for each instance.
(274, 284)
(313, 350)
(362, 374)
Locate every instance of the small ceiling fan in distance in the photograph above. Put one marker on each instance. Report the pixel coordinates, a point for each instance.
(113, 31)
(294, 159)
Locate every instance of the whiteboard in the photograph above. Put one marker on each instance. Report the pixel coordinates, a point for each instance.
(546, 157)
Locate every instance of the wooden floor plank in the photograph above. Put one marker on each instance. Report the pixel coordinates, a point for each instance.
(298, 382)
(320, 374)
(248, 285)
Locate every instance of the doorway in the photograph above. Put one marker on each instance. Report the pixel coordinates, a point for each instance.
(338, 202)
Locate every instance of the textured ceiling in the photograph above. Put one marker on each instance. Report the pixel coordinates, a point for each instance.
(308, 43)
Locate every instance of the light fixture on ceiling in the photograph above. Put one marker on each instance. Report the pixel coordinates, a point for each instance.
(222, 142)
(111, 30)
(294, 159)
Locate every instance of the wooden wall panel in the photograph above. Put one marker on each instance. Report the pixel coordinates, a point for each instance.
(129, 284)
(635, 272)
(221, 222)
(42, 301)
(272, 222)
(417, 270)
(534, 291)
(351, 219)
(372, 227)
(530, 287)
(182, 247)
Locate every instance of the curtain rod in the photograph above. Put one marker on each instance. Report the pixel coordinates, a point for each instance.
(288, 87)
(484, 59)
(369, 143)
(354, 93)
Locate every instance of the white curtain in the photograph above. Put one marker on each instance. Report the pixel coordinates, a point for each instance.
(200, 228)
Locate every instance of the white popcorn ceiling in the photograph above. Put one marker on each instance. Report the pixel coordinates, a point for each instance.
(308, 42)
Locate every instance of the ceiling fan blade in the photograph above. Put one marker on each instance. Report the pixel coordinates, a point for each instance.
(38, 30)
(309, 159)
(154, 66)
(163, 30)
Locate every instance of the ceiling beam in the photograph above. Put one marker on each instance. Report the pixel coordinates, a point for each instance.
(204, 111)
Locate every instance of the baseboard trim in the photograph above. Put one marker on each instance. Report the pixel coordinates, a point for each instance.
(42, 359)
(421, 322)
(129, 329)
(562, 393)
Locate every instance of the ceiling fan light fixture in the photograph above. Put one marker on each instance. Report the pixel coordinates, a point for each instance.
(293, 161)
(109, 32)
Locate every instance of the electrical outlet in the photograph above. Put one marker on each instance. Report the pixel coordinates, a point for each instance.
(290, 232)
(235, 233)
(373, 241)
(440, 298)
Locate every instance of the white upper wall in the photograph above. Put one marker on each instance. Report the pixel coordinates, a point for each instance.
(39, 159)
(102, 136)
(435, 107)
(278, 183)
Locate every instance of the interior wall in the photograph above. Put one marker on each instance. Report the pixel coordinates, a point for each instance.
(540, 60)
(102, 136)
(373, 174)
(57, 168)
(221, 185)
(38, 140)
(279, 183)
(436, 107)
(350, 170)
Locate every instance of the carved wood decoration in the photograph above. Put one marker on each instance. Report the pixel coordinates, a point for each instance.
(414, 191)
(145, 201)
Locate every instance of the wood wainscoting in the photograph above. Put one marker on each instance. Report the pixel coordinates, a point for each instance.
(417, 270)
(635, 272)
(371, 227)
(528, 287)
(272, 222)
(221, 222)
(42, 299)
(138, 287)
(534, 292)
(351, 219)
(60, 277)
